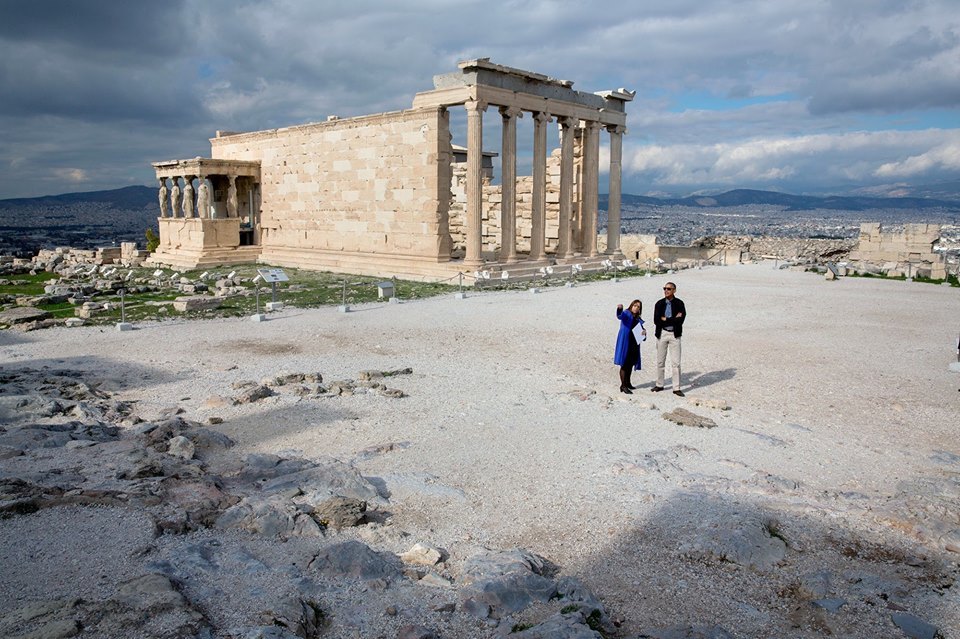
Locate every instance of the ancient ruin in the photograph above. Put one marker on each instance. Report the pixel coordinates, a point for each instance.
(385, 194)
(909, 252)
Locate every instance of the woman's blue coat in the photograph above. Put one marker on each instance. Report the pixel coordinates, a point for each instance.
(625, 337)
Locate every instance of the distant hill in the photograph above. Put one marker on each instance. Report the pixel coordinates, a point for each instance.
(128, 197)
(82, 220)
(749, 197)
(98, 218)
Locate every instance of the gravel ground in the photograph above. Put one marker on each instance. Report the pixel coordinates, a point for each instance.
(513, 434)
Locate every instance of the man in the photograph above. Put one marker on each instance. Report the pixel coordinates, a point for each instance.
(668, 316)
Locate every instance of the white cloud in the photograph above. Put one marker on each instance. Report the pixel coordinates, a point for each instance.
(72, 175)
(771, 162)
(945, 156)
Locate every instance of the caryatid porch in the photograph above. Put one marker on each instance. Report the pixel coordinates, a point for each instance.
(214, 222)
(481, 84)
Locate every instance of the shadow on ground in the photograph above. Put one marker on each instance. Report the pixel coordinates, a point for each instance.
(759, 567)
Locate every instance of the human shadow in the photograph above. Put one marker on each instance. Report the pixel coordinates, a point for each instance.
(694, 379)
(699, 379)
(721, 559)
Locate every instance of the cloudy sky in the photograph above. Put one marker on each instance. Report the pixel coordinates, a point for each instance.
(807, 96)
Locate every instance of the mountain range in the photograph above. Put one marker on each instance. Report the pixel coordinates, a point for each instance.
(95, 218)
(789, 202)
(944, 196)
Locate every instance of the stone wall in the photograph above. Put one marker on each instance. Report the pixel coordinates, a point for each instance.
(906, 252)
(369, 185)
(492, 199)
(730, 249)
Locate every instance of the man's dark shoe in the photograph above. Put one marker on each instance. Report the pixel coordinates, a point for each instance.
(657, 389)
(678, 393)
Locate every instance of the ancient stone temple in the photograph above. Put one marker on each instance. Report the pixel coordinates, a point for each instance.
(383, 194)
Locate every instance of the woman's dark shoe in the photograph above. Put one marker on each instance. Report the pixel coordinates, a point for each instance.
(626, 389)
(631, 387)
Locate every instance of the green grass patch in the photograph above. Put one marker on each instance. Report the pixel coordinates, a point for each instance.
(26, 284)
(305, 289)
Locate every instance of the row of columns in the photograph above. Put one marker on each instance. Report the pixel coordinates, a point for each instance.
(175, 202)
(590, 186)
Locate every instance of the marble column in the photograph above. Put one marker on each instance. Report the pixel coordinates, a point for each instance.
(538, 214)
(565, 246)
(163, 195)
(474, 213)
(591, 186)
(508, 204)
(613, 203)
(175, 200)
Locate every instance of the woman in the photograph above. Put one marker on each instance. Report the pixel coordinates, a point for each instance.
(627, 353)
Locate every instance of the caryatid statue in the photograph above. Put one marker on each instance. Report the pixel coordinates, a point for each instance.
(164, 196)
(203, 199)
(188, 196)
(175, 198)
(232, 203)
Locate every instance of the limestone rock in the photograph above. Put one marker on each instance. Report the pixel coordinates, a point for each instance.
(412, 631)
(273, 516)
(196, 303)
(499, 583)
(22, 315)
(181, 447)
(340, 512)
(357, 560)
(747, 540)
(254, 394)
(684, 417)
(914, 627)
(422, 555)
(42, 620)
(573, 625)
(300, 617)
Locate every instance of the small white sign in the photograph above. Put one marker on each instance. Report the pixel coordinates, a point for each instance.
(273, 275)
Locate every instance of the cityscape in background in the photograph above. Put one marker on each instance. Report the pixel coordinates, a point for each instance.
(107, 218)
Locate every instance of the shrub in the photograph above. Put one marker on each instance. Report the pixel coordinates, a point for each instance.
(153, 240)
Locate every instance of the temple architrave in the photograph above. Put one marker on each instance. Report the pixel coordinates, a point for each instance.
(383, 195)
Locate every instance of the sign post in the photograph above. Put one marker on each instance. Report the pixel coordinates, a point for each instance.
(122, 325)
(273, 275)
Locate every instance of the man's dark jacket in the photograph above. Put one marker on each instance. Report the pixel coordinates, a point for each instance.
(676, 322)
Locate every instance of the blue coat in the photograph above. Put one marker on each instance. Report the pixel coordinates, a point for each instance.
(625, 338)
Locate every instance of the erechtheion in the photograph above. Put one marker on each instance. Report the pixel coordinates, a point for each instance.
(389, 194)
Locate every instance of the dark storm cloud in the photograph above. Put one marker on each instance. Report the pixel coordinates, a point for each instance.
(135, 28)
(94, 61)
(93, 91)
